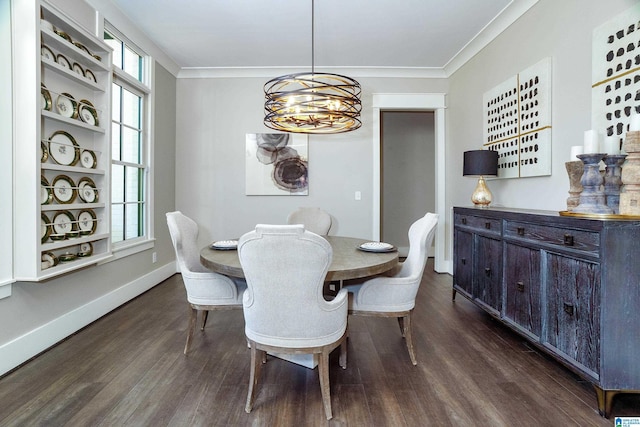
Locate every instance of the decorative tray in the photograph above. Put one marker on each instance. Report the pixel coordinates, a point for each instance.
(599, 216)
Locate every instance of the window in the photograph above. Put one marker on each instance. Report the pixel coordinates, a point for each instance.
(129, 142)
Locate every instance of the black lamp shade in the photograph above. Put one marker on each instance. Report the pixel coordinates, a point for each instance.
(480, 162)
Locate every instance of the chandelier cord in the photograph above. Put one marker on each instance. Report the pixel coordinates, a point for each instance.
(313, 36)
(312, 103)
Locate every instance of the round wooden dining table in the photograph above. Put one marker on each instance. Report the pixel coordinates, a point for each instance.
(348, 262)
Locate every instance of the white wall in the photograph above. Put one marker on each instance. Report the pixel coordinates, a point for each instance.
(214, 114)
(561, 30)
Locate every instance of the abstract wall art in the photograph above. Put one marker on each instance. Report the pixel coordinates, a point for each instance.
(517, 122)
(277, 164)
(616, 74)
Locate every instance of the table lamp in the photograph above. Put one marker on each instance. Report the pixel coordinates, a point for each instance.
(481, 163)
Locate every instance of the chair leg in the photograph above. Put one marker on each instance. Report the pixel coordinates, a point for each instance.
(401, 324)
(343, 354)
(205, 315)
(323, 373)
(409, 338)
(253, 376)
(193, 315)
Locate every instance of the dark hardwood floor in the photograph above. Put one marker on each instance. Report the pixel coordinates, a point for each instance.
(127, 368)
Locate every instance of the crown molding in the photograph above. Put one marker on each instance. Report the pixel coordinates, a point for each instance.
(269, 72)
(510, 14)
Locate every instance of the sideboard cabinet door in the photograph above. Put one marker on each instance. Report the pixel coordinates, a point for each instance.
(523, 288)
(463, 278)
(573, 313)
(488, 284)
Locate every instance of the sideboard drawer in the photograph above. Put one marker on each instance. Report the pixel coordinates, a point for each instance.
(586, 241)
(481, 224)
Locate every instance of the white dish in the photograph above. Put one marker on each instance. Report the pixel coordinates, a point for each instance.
(67, 106)
(47, 53)
(45, 98)
(63, 222)
(45, 228)
(46, 24)
(88, 159)
(46, 195)
(86, 249)
(63, 148)
(44, 152)
(48, 260)
(78, 69)
(87, 190)
(89, 74)
(225, 244)
(64, 189)
(63, 61)
(376, 245)
(88, 113)
(87, 222)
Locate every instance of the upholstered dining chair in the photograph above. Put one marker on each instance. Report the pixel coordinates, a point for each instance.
(284, 309)
(314, 219)
(396, 296)
(206, 290)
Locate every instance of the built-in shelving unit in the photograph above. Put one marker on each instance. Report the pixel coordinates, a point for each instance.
(64, 215)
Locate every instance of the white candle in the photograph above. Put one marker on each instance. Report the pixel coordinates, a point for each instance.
(610, 146)
(575, 150)
(634, 124)
(590, 142)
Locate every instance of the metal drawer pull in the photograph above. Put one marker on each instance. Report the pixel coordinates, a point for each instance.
(463, 220)
(520, 286)
(463, 261)
(487, 225)
(487, 272)
(568, 308)
(568, 239)
(520, 231)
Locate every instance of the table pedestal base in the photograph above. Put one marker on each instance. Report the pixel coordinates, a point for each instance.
(307, 360)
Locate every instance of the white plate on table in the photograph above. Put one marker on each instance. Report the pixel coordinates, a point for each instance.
(377, 247)
(225, 245)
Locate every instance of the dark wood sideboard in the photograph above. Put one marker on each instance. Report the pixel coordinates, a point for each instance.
(570, 285)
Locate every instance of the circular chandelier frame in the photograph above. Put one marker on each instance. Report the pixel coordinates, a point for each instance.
(320, 103)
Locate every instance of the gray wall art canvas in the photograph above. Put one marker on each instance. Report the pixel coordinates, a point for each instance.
(277, 164)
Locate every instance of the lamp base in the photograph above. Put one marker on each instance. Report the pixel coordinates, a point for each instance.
(481, 196)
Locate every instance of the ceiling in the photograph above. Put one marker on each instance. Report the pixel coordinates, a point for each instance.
(420, 34)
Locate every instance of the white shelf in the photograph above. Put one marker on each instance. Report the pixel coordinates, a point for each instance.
(71, 74)
(73, 122)
(72, 169)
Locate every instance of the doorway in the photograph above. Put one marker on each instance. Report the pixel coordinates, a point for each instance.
(407, 173)
(434, 102)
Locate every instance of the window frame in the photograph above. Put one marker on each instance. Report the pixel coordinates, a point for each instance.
(143, 89)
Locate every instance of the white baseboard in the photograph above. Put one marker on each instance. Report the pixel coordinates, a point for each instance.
(23, 348)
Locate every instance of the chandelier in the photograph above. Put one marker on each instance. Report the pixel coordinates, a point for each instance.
(319, 103)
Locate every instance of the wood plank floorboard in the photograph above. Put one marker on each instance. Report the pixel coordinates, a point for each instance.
(127, 369)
